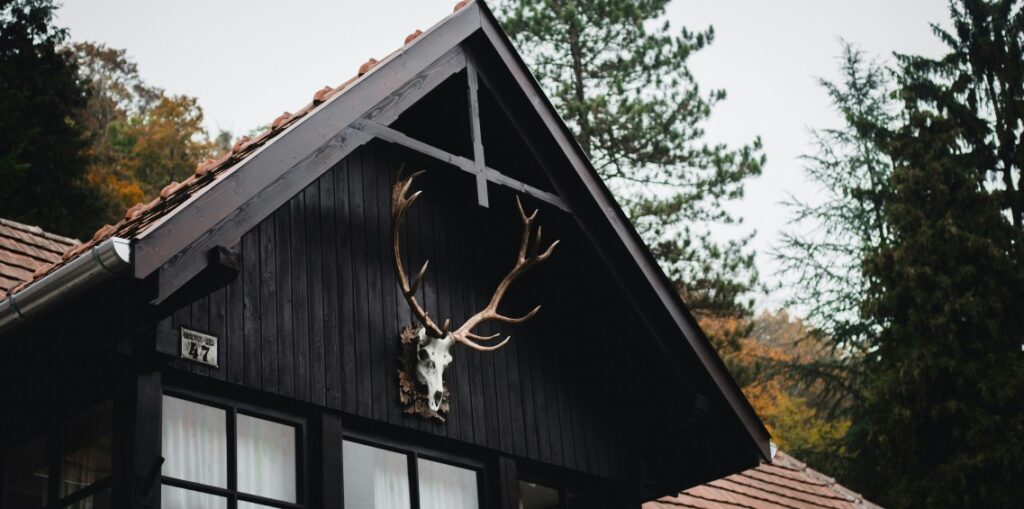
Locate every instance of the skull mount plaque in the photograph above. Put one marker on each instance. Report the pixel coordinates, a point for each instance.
(417, 385)
(426, 349)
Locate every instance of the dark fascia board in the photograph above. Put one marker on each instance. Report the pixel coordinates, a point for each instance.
(627, 235)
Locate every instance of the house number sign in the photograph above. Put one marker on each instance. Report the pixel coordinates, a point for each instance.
(198, 347)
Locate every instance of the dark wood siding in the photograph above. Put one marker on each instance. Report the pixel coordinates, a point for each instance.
(315, 314)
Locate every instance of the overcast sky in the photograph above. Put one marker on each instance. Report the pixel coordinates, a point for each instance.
(247, 61)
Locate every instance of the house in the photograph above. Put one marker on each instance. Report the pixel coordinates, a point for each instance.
(267, 333)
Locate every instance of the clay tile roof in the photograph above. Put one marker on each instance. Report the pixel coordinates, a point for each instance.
(412, 37)
(784, 484)
(281, 120)
(140, 217)
(365, 68)
(24, 250)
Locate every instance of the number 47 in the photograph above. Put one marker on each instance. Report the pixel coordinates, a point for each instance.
(197, 351)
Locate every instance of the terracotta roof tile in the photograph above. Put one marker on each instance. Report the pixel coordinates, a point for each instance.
(281, 120)
(204, 167)
(784, 484)
(365, 68)
(689, 501)
(139, 218)
(24, 250)
(412, 37)
(322, 95)
(240, 145)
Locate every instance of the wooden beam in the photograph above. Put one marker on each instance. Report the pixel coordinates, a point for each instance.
(491, 175)
(506, 493)
(474, 122)
(332, 473)
(145, 454)
(257, 187)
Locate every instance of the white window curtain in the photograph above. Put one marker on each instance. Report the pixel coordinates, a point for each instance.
(446, 487)
(266, 458)
(88, 440)
(195, 442)
(375, 478)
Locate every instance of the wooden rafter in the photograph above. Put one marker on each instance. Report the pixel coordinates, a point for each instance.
(269, 187)
(474, 121)
(482, 172)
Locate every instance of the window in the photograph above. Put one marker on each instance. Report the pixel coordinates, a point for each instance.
(26, 475)
(539, 496)
(223, 457)
(378, 478)
(374, 478)
(76, 455)
(443, 486)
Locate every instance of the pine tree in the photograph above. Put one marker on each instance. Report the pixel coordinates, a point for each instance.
(830, 235)
(940, 424)
(618, 74)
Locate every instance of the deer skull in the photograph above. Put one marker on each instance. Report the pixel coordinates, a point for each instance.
(432, 357)
(434, 343)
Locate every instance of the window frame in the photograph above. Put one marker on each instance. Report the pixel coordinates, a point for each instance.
(564, 486)
(412, 453)
(54, 455)
(232, 409)
(560, 488)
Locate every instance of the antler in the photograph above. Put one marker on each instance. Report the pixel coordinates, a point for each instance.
(525, 259)
(399, 206)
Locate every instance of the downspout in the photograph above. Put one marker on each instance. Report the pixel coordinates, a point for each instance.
(103, 261)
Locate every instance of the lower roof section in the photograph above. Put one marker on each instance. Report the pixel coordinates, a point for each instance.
(784, 484)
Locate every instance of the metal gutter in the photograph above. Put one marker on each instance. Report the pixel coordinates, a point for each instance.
(103, 261)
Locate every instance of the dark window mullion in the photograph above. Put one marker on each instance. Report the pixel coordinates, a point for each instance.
(3, 478)
(414, 481)
(194, 486)
(300, 467)
(86, 492)
(232, 431)
(54, 443)
(269, 502)
(232, 421)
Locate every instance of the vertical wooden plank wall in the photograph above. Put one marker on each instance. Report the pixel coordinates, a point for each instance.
(315, 315)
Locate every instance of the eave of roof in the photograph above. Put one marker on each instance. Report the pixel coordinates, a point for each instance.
(24, 250)
(141, 218)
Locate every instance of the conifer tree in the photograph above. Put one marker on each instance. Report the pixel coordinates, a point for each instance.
(618, 74)
(831, 233)
(42, 169)
(940, 424)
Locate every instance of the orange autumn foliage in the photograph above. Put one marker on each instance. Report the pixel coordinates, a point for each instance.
(760, 354)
